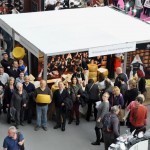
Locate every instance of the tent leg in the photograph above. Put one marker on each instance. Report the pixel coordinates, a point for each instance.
(29, 62)
(13, 38)
(45, 67)
(125, 62)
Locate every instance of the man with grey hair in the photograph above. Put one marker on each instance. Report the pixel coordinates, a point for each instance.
(111, 127)
(14, 140)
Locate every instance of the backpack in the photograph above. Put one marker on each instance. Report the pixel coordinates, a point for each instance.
(20, 146)
(107, 123)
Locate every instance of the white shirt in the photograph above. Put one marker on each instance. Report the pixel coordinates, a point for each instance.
(4, 78)
(52, 2)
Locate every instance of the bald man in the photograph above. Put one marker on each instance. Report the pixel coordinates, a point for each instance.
(120, 74)
(42, 107)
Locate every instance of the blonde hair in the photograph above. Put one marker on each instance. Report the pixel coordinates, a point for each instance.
(132, 83)
(116, 90)
(11, 78)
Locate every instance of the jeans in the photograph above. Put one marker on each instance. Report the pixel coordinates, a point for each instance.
(41, 113)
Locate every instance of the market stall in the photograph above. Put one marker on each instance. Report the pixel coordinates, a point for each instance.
(67, 31)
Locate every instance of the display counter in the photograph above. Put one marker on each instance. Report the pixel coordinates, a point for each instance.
(132, 143)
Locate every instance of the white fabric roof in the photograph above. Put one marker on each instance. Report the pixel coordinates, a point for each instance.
(71, 30)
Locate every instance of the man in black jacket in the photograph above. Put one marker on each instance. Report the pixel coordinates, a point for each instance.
(93, 92)
(30, 89)
(6, 62)
(120, 74)
(14, 71)
(60, 96)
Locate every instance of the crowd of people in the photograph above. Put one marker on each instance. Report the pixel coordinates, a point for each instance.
(20, 100)
(135, 6)
(11, 7)
(58, 65)
(106, 100)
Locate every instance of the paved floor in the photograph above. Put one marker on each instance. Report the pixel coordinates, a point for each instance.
(74, 138)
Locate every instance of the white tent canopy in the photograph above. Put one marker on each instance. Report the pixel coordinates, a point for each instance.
(57, 32)
(72, 30)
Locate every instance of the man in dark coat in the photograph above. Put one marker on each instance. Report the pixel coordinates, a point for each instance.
(14, 71)
(93, 92)
(60, 97)
(120, 74)
(30, 89)
(6, 62)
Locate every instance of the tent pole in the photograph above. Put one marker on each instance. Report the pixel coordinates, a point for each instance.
(29, 62)
(45, 67)
(13, 38)
(125, 62)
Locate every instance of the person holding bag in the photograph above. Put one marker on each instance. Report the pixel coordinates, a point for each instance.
(93, 91)
(14, 141)
(75, 92)
(103, 109)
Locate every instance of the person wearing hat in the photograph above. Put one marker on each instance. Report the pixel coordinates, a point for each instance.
(111, 127)
(78, 74)
(6, 62)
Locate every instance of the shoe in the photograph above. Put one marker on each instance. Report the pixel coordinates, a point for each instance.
(122, 123)
(77, 123)
(29, 122)
(62, 128)
(37, 128)
(5, 111)
(22, 124)
(87, 119)
(101, 140)
(70, 121)
(57, 126)
(17, 126)
(8, 122)
(95, 143)
(45, 128)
